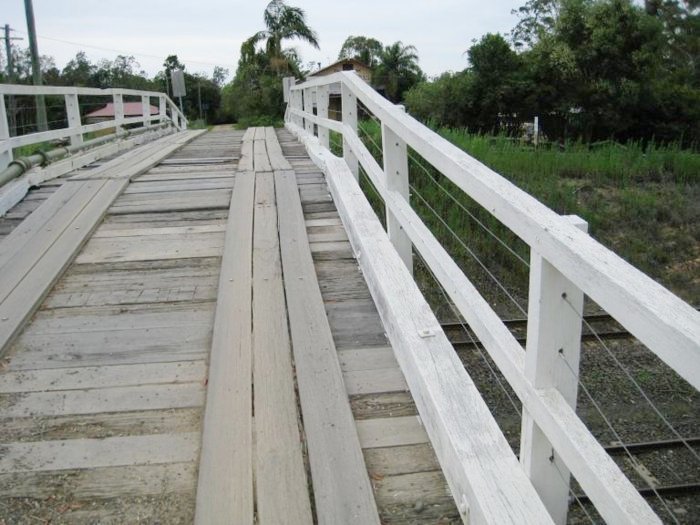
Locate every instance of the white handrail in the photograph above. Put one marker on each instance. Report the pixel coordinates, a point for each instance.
(567, 262)
(167, 112)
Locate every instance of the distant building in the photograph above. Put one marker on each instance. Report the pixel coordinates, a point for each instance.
(131, 109)
(346, 64)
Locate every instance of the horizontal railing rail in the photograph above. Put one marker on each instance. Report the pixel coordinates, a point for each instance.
(168, 112)
(565, 264)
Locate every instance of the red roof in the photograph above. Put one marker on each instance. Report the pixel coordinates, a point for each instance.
(131, 109)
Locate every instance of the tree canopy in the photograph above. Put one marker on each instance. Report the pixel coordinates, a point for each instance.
(256, 90)
(590, 69)
(394, 67)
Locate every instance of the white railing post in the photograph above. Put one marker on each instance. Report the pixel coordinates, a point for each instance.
(308, 108)
(349, 117)
(395, 156)
(73, 114)
(118, 102)
(5, 150)
(288, 96)
(322, 96)
(174, 115)
(146, 110)
(299, 104)
(287, 83)
(162, 112)
(551, 361)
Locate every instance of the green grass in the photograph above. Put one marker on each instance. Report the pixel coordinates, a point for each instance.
(643, 203)
(264, 121)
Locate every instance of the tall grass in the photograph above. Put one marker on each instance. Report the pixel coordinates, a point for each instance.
(642, 202)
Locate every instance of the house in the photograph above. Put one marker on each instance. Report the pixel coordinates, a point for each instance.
(346, 64)
(131, 109)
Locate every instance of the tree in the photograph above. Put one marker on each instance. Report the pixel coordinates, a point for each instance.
(365, 49)
(397, 70)
(496, 89)
(219, 75)
(537, 18)
(282, 23)
(78, 71)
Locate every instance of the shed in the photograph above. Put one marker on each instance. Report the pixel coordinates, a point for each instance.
(131, 109)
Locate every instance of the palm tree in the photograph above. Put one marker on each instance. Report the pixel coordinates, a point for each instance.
(282, 22)
(398, 70)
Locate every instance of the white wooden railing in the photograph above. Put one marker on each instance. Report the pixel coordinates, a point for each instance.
(566, 263)
(167, 112)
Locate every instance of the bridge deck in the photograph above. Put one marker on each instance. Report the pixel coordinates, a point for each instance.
(109, 393)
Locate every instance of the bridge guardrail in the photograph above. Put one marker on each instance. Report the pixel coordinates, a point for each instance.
(565, 264)
(167, 112)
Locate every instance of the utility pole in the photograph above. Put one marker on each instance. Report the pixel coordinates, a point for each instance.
(199, 97)
(41, 120)
(11, 110)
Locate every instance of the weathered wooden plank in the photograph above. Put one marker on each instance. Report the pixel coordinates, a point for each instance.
(103, 482)
(173, 202)
(190, 184)
(97, 400)
(261, 160)
(328, 237)
(33, 286)
(191, 174)
(493, 486)
(246, 162)
(342, 490)
(390, 404)
(27, 244)
(101, 377)
(16, 240)
(274, 151)
(391, 432)
(104, 424)
(405, 459)
(29, 285)
(154, 247)
(372, 358)
(375, 381)
(225, 487)
(280, 477)
(94, 453)
(324, 222)
(165, 230)
(420, 497)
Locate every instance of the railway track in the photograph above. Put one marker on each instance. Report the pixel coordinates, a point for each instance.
(604, 325)
(598, 327)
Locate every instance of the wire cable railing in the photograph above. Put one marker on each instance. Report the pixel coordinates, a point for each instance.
(614, 285)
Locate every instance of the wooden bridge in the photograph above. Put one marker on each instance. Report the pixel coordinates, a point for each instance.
(214, 327)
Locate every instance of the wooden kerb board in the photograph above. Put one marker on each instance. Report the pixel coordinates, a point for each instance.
(225, 487)
(342, 490)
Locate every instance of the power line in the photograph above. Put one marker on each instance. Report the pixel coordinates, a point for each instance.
(123, 52)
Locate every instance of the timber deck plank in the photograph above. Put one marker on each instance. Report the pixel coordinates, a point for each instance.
(342, 490)
(102, 394)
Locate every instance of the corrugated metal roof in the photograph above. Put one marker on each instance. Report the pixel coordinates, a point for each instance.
(131, 109)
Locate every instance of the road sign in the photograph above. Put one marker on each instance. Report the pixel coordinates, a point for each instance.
(177, 77)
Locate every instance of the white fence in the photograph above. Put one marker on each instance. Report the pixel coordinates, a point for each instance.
(167, 112)
(566, 263)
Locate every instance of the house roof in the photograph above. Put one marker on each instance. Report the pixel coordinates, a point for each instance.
(131, 109)
(343, 61)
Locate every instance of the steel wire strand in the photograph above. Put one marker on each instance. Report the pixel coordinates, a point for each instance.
(451, 305)
(617, 436)
(634, 382)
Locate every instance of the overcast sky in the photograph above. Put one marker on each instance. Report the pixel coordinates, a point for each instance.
(206, 33)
